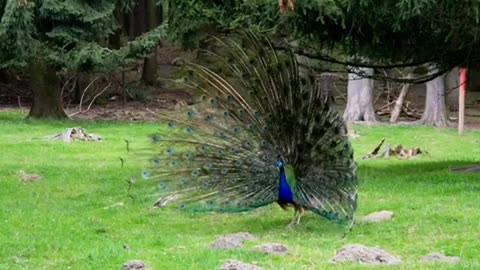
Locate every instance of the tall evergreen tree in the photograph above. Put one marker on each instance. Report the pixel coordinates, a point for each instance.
(47, 37)
(388, 33)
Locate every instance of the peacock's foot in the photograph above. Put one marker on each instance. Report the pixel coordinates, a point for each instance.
(295, 221)
(292, 224)
(298, 220)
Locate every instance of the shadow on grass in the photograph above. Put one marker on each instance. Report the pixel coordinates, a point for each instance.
(406, 167)
(15, 118)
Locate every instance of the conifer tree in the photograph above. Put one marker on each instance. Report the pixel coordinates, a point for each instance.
(44, 38)
(388, 33)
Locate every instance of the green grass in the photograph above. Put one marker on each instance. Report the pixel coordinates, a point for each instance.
(63, 221)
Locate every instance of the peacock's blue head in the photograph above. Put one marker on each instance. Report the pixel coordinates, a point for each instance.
(279, 163)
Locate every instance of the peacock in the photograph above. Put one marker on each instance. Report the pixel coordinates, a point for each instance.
(261, 134)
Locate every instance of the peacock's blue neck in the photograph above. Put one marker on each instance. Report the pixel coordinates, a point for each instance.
(285, 194)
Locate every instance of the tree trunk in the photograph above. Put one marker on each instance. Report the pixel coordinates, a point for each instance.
(131, 24)
(47, 96)
(152, 18)
(136, 19)
(139, 13)
(115, 39)
(434, 113)
(149, 74)
(360, 97)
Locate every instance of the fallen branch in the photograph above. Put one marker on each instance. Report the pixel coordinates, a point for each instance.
(385, 106)
(397, 109)
(163, 201)
(399, 151)
(374, 151)
(386, 151)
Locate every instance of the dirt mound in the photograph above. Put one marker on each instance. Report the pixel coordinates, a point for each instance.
(234, 240)
(362, 254)
(378, 216)
(134, 265)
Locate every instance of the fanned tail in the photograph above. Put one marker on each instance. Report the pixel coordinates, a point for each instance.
(220, 155)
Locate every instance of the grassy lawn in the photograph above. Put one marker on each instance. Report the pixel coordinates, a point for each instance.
(64, 221)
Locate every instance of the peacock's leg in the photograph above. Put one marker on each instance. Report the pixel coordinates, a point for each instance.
(301, 211)
(294, 219)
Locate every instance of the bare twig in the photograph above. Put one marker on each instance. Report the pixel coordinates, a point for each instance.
(70, 91)
(152, 112)
(128, 92)
(385, 106)
(66, 83)
(97, 95)
(83, 94)
(122, 83)
(124, 92)
(91, 102)
(20, 105)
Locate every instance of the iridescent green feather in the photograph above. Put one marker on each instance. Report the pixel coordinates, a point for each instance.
(291, 178)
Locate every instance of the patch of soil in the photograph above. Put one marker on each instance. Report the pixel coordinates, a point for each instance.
(465, 169)
(358, 253)
(169, 98)
(134, 265)
(15, 91)
(136, 111)
(29, 177)
(234, 240)
(117, 110)
(238, 265)
(272, 249)
(130, 112)
(379, 216)
(438, 257)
